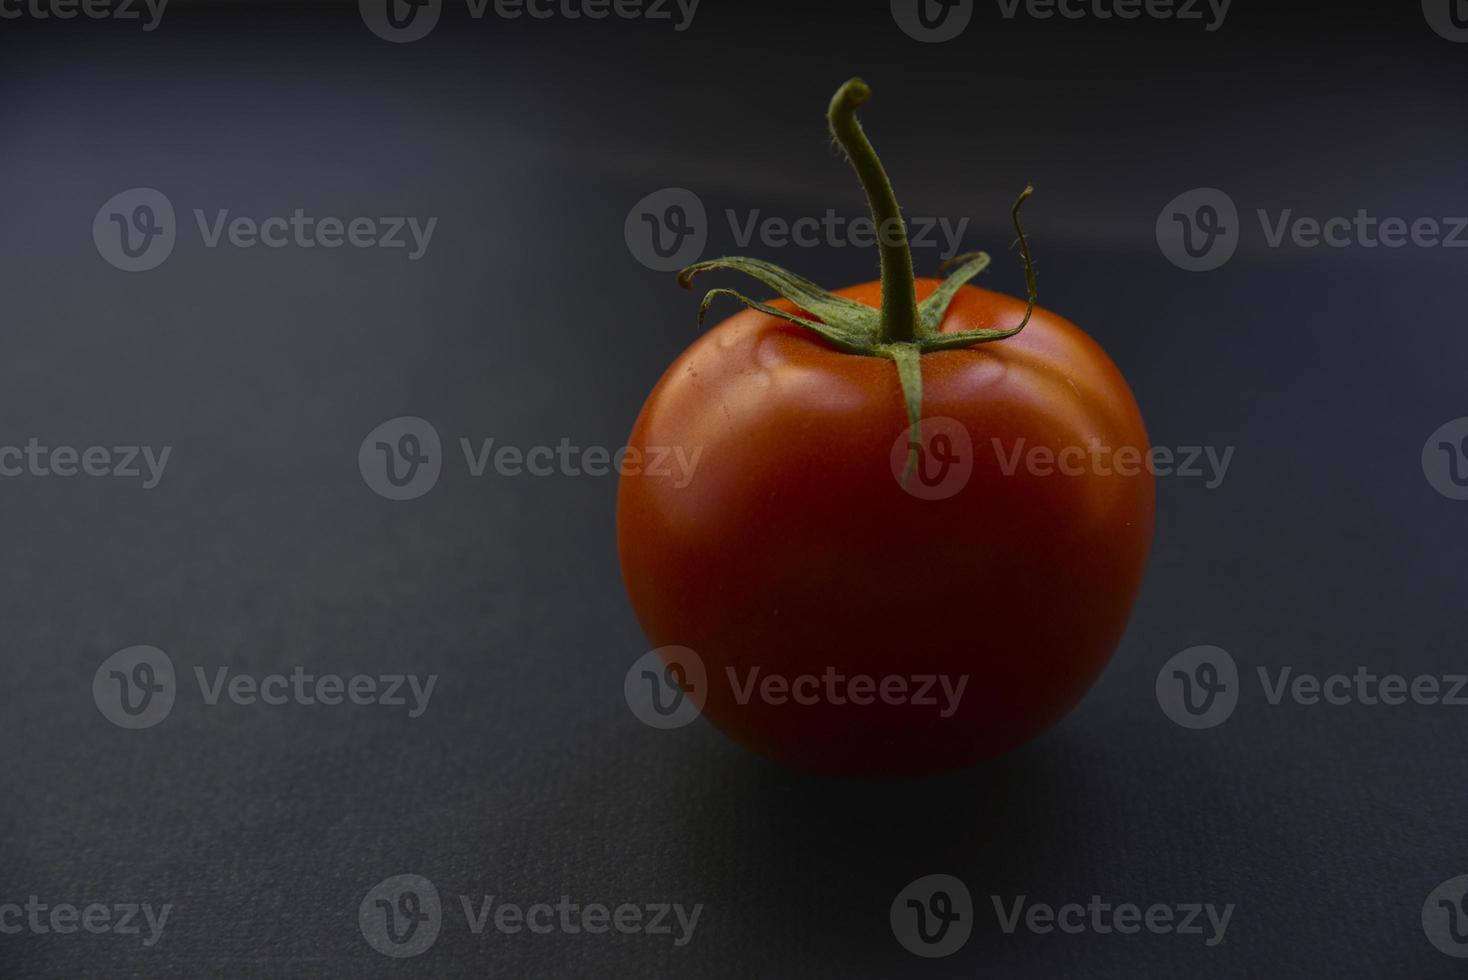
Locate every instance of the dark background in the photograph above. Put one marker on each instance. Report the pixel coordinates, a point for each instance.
(529, 321)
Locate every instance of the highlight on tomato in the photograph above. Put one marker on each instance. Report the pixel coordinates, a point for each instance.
(912, 541)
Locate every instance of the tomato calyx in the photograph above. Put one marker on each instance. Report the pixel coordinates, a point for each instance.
(903, 329)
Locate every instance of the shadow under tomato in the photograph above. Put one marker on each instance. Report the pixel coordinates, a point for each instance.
(822, 859)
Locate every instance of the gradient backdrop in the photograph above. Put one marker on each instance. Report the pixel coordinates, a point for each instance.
(529, 319)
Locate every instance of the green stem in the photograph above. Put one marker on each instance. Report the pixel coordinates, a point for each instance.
(901, 330)
(899, 290)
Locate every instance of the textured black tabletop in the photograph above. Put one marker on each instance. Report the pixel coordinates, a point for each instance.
(209, 832)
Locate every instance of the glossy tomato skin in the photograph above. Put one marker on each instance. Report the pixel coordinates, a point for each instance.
(795, 548)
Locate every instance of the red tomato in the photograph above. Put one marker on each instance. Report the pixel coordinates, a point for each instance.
(855, 618)
(796, 548)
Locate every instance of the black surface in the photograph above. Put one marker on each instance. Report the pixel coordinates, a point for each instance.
(528, 321)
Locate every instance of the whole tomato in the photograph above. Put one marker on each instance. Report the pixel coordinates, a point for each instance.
(917, 521)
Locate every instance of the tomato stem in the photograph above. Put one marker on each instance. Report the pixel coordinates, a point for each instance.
(899, 289)
(902, 330)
